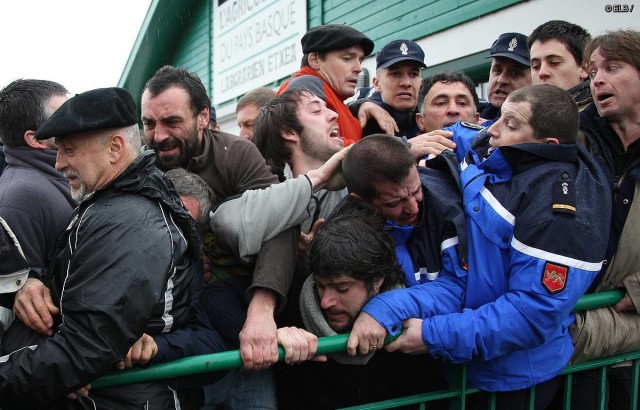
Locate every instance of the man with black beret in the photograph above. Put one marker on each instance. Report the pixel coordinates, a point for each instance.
(121, 269)
(510, 70)
(333, 53)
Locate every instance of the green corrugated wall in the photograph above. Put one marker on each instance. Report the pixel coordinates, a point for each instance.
(381, 20)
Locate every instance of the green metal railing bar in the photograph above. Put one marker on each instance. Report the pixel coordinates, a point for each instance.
(597, 300)
(206, 363)
(201, 364)
(231, 359)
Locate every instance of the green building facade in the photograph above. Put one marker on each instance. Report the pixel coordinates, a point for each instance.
(455, 35)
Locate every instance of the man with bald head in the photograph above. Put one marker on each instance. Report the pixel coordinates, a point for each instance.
(123, 264)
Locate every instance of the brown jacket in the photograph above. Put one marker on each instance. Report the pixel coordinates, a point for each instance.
(232, 165)
(604, 332)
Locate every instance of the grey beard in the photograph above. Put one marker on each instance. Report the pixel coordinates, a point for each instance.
(81, 194)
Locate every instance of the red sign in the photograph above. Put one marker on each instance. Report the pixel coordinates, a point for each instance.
(554, 277)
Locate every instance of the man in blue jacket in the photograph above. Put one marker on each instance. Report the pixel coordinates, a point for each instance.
(529, 192)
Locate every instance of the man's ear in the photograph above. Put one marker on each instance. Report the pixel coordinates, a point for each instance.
(376, 83)
(116, 146)
(289, 136)
(31, 141)
(583, 72)
(377, 284)
(419, 119)
(356, 196)
(203, 118)
(551, 140)
(313, 60)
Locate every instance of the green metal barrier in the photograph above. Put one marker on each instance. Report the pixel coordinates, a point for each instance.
(201, 364)
(455, 394)
(597, 300)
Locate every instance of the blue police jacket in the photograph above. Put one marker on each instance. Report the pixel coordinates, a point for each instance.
(438, 240)
(537, 222)
(463, 134)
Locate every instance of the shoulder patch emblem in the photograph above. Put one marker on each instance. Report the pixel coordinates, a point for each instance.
(471, 125)
(564, 196)
(554, 277)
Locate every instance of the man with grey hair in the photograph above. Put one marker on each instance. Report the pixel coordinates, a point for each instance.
(510, 71)
(123, 264)
(194, 192)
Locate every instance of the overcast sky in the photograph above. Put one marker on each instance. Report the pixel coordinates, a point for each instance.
(81, 44)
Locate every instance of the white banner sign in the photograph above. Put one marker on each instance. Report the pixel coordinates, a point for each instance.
(255, 42)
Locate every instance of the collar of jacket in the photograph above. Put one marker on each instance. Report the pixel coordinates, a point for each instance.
(581, 93)
(399, 233)
(43, 160)
(142, 177)
(200, 161)
(489, 112)
(406, 120)
(522, 157)
(401, 117)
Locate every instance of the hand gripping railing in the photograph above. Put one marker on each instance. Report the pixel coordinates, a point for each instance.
(231, 359)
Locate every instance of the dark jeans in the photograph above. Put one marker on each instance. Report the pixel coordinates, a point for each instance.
(586, 386)
(518, 399)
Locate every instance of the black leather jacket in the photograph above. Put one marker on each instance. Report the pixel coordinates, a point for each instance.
(121, 268)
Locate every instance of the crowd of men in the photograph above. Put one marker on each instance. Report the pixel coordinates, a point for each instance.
(465, 229)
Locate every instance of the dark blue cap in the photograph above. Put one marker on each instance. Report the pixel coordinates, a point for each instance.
(400, 50)
(212, 115)
(513, 46)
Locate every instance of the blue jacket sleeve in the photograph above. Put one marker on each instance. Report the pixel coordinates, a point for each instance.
(524, 317)
(441, 296)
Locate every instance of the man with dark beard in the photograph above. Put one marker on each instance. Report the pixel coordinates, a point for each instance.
(297, 134)
(351, 259)
(175, 114)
